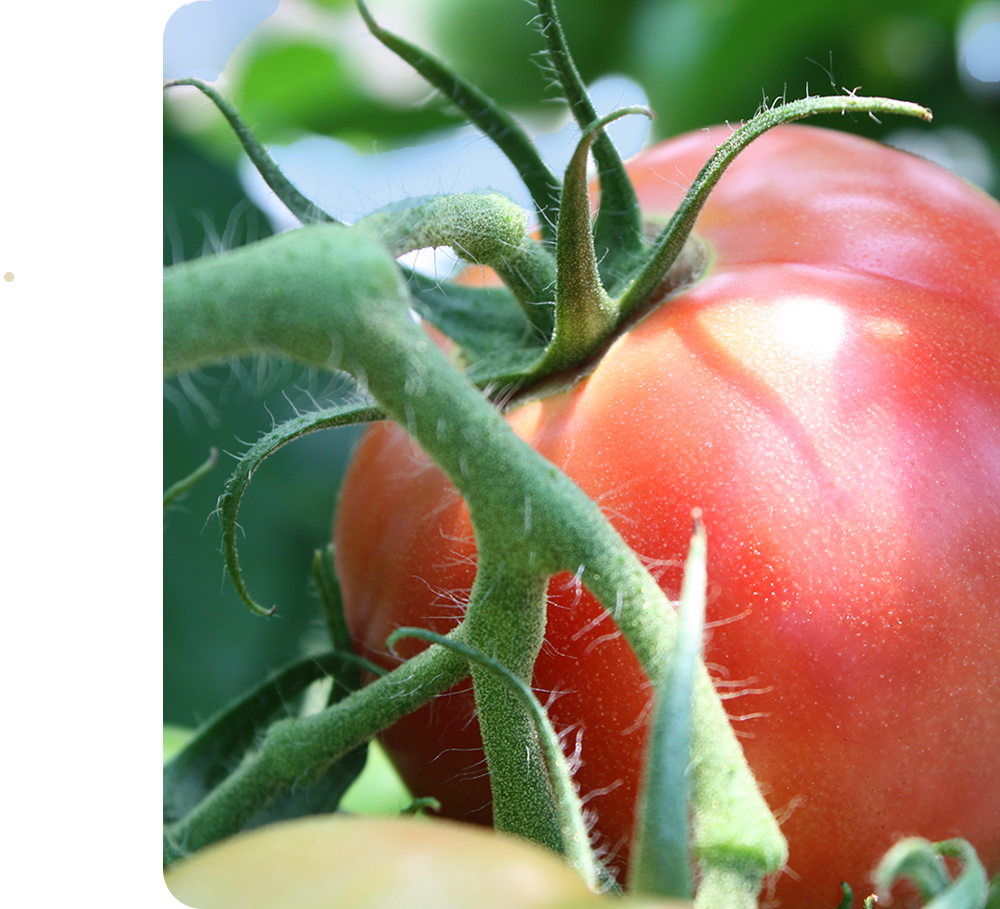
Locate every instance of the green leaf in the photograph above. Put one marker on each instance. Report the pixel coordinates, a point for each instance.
(219, 745)
(298, 86)
(318, 796)
(496, 339)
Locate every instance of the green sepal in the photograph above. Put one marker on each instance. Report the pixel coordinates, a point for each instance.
(661, 864)
(618, 228)
(304, 209)
(219, 745)
(585, 315)
(671, 242)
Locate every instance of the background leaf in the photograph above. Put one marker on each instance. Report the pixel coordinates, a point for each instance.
(216, 748)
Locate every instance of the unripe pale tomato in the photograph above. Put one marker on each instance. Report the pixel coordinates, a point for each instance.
(374, 863)
(829, 395)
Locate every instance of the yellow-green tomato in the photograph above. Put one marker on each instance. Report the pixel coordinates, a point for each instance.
(369, 863)
(623, 903)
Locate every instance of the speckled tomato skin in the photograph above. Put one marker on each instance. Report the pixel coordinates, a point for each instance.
(829, 395)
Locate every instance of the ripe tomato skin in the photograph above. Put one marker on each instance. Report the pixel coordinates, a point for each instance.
(829, 395)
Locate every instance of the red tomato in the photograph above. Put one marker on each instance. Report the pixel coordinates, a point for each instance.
(829, 395)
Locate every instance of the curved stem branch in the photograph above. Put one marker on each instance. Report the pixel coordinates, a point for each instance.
(332, 297)
(306, 211)
(484, 228)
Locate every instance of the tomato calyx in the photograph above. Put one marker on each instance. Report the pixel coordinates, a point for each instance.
(692, 264)
(588, 280)
(587, 318)
(606, 273)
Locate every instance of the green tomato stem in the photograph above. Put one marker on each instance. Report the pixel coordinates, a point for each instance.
(569, 809)
(483, 228)
(221, 742)
(505, 618)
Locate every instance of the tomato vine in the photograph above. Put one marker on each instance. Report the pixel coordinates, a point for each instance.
(334, 298)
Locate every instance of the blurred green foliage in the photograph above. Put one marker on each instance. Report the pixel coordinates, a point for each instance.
(214, 647)
(295, 86)
(203, 203)
(700, 61)
(706, 61)
(491, 42)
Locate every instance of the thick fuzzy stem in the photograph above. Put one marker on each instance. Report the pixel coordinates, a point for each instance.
(333, 297)
(506, 619)
(573, 827)
(483, 228)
